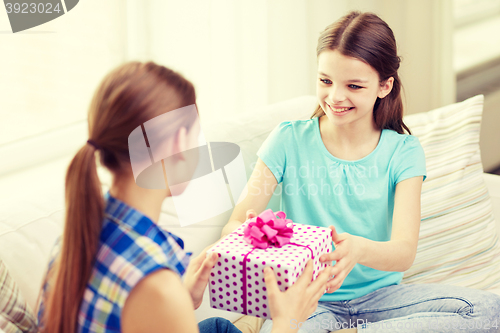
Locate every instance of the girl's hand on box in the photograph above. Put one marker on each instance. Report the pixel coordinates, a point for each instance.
(346, 254)
(299, 301)
(197, 274)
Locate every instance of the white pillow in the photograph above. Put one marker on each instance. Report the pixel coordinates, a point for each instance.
(458, 238)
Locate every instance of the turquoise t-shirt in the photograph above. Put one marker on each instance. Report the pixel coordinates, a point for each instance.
(356, 197)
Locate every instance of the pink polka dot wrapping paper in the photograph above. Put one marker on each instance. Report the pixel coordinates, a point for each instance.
(226, 282)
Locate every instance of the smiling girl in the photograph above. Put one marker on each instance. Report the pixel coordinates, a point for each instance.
(369, 194)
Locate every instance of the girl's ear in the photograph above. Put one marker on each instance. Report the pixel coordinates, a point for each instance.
(385, 87)
(180, 143)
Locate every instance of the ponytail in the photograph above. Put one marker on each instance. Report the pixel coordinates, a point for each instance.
(84, 214)
(388, 111)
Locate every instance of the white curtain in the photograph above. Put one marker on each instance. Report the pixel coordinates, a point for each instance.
(240, 55)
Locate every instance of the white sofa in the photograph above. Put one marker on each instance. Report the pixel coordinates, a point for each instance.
(32, 200)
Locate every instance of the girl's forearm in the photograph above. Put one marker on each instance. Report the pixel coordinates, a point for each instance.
(230, 227)
(393, 255)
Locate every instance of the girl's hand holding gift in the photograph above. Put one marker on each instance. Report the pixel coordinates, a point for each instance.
(347, 254)
(197, 274)
(299, 301)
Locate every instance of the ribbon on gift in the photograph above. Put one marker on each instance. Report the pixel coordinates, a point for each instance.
(268, 229)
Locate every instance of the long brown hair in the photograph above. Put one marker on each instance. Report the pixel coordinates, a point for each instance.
(127, 97)
(367, 37)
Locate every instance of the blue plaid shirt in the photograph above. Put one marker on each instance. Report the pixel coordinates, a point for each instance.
(131, 247)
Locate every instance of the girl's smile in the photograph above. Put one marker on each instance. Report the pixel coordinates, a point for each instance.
(338, 110)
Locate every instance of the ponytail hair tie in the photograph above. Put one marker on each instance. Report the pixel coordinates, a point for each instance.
(92, 143)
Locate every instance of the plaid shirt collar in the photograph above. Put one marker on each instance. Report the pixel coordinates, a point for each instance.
(118, 211)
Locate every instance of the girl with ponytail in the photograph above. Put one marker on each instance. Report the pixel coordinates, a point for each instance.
(115, 269)
(363, 179)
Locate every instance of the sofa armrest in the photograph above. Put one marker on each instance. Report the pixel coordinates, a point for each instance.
(493, 184)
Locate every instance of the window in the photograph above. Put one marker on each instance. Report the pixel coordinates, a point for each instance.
(473, 11)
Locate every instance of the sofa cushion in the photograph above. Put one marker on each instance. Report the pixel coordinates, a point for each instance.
(458, 237)
(15, 314)
(31, 218)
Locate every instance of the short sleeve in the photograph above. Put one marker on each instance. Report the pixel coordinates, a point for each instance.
(410, 160)
(273, 150)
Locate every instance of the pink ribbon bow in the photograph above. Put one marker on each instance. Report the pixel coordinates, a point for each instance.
(268, 229)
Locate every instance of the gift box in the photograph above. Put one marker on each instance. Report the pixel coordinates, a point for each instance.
(236, 282)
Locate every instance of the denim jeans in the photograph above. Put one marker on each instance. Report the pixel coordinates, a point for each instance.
(407, 308)
(217, 325)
